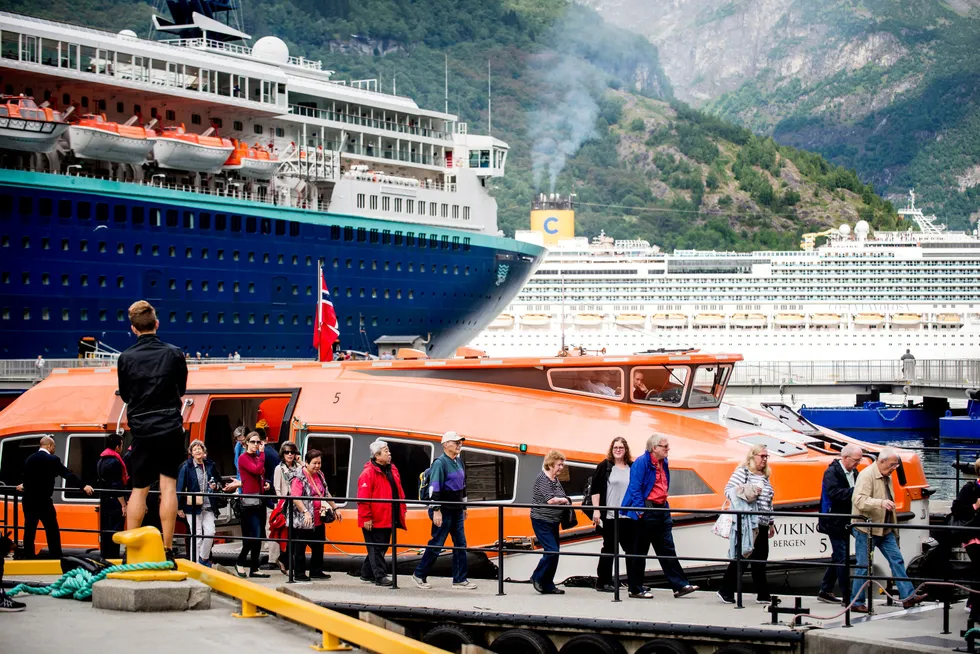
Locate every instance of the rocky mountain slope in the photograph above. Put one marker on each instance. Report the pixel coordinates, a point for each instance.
(888, 87)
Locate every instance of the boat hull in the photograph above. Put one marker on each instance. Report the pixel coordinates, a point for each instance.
(30, 135)
(258, 168)
(184, 155)
(93, 143)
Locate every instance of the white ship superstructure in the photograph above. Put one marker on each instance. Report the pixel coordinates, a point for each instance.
(862, 295)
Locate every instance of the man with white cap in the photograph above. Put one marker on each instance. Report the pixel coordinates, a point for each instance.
(378, 481)
(447, 483)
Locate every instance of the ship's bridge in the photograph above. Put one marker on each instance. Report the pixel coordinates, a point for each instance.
(484, 154)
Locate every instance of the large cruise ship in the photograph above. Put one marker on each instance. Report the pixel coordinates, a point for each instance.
(211, 176)
(861, 295)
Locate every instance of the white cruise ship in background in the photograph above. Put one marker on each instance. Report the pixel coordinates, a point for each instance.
(862, 295)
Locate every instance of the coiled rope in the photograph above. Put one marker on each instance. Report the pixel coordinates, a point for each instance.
(78, 583)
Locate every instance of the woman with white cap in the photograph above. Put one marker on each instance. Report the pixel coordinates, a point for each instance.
(379, 481)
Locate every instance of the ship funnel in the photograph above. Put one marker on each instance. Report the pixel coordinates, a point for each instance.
(553, 216)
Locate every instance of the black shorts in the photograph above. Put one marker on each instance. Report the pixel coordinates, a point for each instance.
(155, 456)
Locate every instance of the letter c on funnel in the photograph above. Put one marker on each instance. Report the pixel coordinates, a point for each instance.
(548, 222)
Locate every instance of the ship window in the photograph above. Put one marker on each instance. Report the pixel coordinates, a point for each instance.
(83, 245)
(236, 223)
(432, 209)
(102, 212)
(173, 316)
(663, 385)
(64, 208)
(361, 234)
(386, 237)
(196, 119)
(280, 227)
(236, 287)
(573, 478)
(445, 210)
(350, 321)
(65, 314)
(65, 280)
(348, 234)
(237, 125)
(445, 242)
(83, 280)
(709, 385)
(410, 239)
(102, 247)
(189, 286)
(386, 203)
(295, 260)
(251, 257)
(120, 282)
(251, 318)
(205, 221)
(216, 122)
(82, 457)
(265, 226)
(154, 217)
(334, 233)
(309, 320)
(409, 206)
(309, 290)
(466, 243)
(26, 205)
(171, 217)
(27, 314)
(423, 242)
(257, 129)
(170, 114)
(85, 101)
(374, 236)
(265, 258)
(221, 287)
(221, 255)
(606, 383)
(173, 251)
(101, 281)
(83, 314)
(455, 212)
(45, 206)
(335, 461)
(374, 202)
(220, 222)
(138, 216)
(280, 132)
(155, 251)
(6, 313)
(189, 253)
(251, 287)
(399, 238)
(293, 229)
(295, 290)
(188, 220)
(235, 318)
(204, 253)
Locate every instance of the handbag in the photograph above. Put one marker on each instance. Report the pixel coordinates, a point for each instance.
(568, 519)
(723, 525)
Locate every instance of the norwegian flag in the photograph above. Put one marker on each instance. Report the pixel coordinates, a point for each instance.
(326, 331)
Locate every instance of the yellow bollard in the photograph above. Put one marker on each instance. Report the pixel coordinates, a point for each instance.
(249, 610)
(330, 644)
(144, 545)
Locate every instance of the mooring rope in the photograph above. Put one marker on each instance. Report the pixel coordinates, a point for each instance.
(78, 583)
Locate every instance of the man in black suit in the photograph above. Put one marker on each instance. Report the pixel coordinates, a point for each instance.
(835, 497)
(40, 470)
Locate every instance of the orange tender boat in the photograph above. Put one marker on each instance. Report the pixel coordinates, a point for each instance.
(253, 161)
(511, 412)
(94, 137)
(175, 147)
(27, 127)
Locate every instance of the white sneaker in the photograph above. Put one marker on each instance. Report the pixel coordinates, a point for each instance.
(465, 585)
(421, 583)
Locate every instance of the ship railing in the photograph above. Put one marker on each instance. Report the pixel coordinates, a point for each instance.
(235, 49)
(364, 121)
(394, 155)
(956, 373)
(941, 583)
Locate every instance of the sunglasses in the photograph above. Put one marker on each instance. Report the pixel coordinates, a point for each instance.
(254, 442)
(289, 453)
(762, 456)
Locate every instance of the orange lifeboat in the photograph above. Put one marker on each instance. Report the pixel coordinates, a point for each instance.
(253, 161)
(93, 137)
(174, 147)
(27, 127)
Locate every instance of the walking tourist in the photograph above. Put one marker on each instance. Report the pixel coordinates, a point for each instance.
(835, 497)
(379, 480)
(289, 466)
(966, 513)
(272, 461)
(40, 470)
(251, 468)
(545, 521)
(113, 479)
(199, 475)
(152, 380)
(311, 517)
(874, 500)
(447, 483)
(748, 489)
(609, 483)
(648, 487)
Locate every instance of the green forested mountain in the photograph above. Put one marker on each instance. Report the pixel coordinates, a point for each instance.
(890, 88)
(584, 105)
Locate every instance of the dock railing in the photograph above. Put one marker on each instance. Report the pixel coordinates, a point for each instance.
(12, 520)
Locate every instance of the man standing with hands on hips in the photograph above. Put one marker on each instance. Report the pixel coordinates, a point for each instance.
(447, 483)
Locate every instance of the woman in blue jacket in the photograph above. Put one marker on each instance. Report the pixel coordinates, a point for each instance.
(199, 475)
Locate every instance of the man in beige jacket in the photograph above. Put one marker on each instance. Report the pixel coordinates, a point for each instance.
(874, 500)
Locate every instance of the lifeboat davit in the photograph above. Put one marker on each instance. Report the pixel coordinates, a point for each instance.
(255, 162)
(27, 127)
(869, 319)
(630, 319)
(709, 320)
(825, 320)
(175, 148)
(93, 137)
(670, 320)
(748, 320)
(789, 320)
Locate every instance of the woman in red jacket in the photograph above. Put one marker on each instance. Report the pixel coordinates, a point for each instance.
(379, 481)
(251, 468)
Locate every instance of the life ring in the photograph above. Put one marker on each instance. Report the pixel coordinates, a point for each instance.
(459, 163)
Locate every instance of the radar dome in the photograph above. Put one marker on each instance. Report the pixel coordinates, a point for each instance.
(128, 34)
(845, 230)
(271, 49)
(862, 229)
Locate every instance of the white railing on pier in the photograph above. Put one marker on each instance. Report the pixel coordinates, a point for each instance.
(953, 373)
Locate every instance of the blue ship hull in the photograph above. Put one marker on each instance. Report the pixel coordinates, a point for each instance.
(227, 275)
(872, 416)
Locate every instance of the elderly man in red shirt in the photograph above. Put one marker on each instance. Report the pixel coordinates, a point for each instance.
(649, 483)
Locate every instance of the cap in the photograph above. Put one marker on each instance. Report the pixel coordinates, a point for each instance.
(450, 436)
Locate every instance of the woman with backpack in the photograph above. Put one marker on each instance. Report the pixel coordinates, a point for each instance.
(310, 517)
(609, 483)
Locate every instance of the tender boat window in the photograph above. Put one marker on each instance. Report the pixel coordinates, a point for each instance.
(687, 482)
(14, 450)
(335, 462)
(596, 382)
(573, 478)
(411, 458)
(661, 385)
(709, 385)
(83, 455)
(490, 477)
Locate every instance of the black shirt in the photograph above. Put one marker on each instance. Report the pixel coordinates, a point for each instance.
(40, 471)
(110, 476)
(152, 380)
